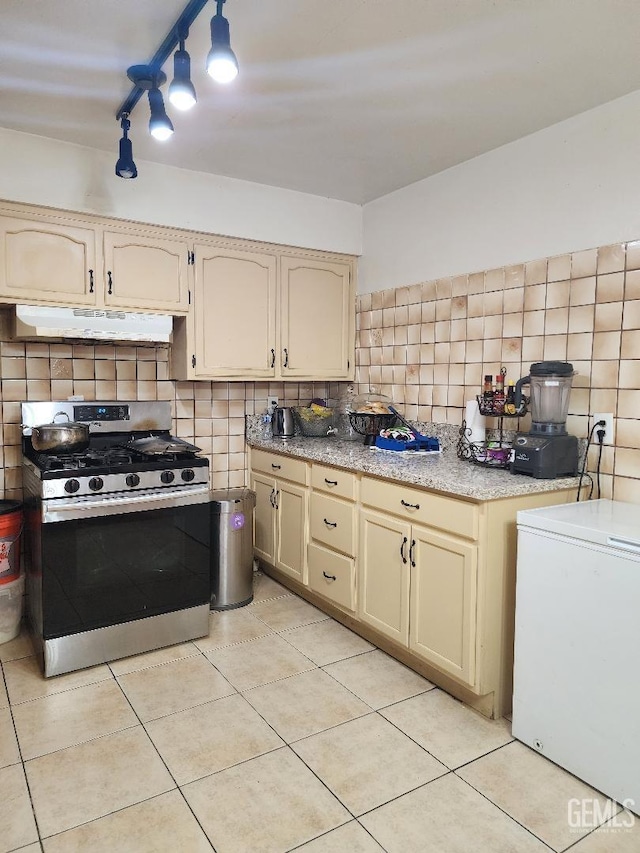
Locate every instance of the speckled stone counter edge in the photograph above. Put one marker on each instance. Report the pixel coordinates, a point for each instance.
(444, 473)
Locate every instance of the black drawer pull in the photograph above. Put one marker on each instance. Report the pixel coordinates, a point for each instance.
(410, 506)
(273, 358)
(90, 281)
(331, 482)
(403, 552)
(277, 467)
(411, 554)
(329, 577)
(110, 280)
(330, 523)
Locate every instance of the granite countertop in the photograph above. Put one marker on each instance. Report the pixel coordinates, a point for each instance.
(443, 472)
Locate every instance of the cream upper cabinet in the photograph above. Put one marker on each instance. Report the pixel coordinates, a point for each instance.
(234, 313)
(47, 262)
(443, 601)
(146, 272)
(266, 315)
(317, 311)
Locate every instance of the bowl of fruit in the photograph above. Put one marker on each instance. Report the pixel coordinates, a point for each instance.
(314, 420)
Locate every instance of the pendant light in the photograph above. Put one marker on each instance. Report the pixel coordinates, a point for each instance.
(222, 64)
(125, 167)
(182, 93)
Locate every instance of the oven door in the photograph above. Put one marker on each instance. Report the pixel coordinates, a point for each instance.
(109, 559)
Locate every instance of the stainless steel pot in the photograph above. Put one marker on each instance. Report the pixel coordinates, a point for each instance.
(60, 438)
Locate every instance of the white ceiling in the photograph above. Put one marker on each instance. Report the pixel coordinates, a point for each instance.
(349, 99)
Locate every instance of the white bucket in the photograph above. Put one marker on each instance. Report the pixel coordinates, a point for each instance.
(11, 597)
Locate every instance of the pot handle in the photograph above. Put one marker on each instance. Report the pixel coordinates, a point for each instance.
(61, 413)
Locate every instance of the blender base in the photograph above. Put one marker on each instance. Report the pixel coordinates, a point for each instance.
(545, 457)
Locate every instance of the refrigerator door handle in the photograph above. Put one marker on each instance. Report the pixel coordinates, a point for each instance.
(624, 544)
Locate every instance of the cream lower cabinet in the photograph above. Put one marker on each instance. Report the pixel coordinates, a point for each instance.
(332, 536)
(418, 585)
(280, 519)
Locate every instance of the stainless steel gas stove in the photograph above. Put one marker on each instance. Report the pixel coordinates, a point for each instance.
(118, 536)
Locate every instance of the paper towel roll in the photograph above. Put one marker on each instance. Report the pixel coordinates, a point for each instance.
(475, 422)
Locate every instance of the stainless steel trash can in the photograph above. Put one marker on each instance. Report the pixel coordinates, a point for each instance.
(231, 548)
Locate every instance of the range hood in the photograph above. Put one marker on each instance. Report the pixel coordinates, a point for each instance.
(37, 321)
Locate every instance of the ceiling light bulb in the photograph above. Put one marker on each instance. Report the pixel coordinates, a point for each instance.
(160, 126)
(182, 93)
(125, 167)
(222, 64)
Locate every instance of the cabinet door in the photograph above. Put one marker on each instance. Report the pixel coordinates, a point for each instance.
(383, 575)
(143, 272)
(264, 518)
(316, 319)
(291, 535)
(443, 602)
(235, 305)
(47, 262)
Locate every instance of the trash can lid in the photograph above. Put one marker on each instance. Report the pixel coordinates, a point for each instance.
(233, 498)
(9, 506)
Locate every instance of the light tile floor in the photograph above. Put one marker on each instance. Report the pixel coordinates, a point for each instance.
(280, 731)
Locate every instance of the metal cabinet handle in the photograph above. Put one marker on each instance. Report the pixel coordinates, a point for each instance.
(273, 358)
(272, 498)
(403, 552)
(329, 577)
(330, 523)
(110, 283)
(275, 499)
(90, 281)
(411, 554)
(331, 482)
(286, 357)
(411, 506)
(277, 467)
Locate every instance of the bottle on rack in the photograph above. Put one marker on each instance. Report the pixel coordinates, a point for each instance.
(510, 400)
(487, 394)
(498, 395)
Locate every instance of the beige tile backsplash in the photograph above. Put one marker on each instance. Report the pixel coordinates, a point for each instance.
(210, 414)
(582, 307)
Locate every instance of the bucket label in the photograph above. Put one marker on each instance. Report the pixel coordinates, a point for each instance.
(237, 521)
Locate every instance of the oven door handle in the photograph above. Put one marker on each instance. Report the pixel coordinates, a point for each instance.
(70, 510)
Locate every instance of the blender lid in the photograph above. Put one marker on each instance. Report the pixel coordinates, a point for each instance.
(551, 368)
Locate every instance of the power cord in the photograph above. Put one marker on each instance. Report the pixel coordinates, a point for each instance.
(600, 433)
(583, 471)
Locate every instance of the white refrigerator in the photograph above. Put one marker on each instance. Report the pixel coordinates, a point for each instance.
(576, 695)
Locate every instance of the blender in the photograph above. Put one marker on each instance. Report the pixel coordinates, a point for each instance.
(546, 451)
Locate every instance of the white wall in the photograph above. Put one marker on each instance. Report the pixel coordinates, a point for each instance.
(43, 171)
(572, 186)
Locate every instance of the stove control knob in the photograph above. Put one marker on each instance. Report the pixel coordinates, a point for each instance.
(132, 480)
(167, 476)
(71, 486)
(96, 483)
(188, 475)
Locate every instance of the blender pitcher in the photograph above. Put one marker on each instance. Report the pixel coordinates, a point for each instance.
(550, 387)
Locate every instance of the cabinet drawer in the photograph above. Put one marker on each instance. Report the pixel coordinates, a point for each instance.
(333, 522)
(412, 504)
(284, 467)
(332, 575)
(335, 481)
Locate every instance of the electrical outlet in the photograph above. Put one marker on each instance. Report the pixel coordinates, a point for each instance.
(272, 402)
(608, 427)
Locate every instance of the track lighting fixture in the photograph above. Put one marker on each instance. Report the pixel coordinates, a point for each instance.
(222, 65)
(125, 167)
(182, 93)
